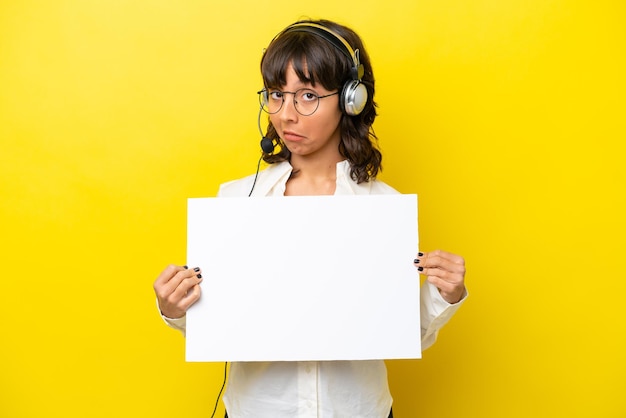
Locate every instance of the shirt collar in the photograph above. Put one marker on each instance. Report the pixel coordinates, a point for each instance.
(276, 175)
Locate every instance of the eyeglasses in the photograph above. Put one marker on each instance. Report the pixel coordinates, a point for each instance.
(306, 101)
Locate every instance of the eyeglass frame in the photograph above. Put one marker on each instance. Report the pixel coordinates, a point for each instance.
(295, 102)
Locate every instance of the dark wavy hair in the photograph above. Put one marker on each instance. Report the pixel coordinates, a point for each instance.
(316, 60)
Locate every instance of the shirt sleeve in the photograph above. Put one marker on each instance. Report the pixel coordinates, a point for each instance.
(177, 323)
(435, 312)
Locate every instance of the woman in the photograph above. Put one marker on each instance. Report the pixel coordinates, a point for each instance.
(318, 91)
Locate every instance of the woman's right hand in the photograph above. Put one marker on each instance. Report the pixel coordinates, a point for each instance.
(177, 288)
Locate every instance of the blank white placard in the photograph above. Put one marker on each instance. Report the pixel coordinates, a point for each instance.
(304, 278)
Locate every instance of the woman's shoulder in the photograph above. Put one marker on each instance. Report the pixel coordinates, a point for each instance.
(236, 187)
(347, 185)
(380, 187)
(266, 178)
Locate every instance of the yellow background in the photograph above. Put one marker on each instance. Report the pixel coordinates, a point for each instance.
(506, 117)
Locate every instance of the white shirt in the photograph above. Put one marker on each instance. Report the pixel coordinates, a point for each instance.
(318, 389)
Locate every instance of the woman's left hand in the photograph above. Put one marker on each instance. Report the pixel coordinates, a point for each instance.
(444, 270)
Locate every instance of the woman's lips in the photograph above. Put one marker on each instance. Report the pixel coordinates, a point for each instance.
(292, 136)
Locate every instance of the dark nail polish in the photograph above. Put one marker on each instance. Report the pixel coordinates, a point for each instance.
(420, 268)
(420, 254)
(196, 269)
(416, 261)
(199, 276)
(185, 267)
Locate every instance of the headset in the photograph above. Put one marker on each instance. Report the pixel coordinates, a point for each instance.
(353, 97)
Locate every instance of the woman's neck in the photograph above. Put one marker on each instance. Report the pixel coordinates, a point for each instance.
(311, 177)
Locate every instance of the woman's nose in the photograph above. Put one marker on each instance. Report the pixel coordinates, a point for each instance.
(288, 111)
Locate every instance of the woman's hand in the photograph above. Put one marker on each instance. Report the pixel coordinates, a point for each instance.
(444, 270)
(177, 289)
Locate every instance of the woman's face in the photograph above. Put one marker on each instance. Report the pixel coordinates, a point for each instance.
(308, 136)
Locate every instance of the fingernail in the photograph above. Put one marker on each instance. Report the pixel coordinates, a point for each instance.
(196, 269)
(185, 267)
(420, 268)
(420, 254)
(416, 261)
(199, 276)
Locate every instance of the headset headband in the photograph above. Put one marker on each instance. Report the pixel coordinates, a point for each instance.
(334, 38)
(354, 95)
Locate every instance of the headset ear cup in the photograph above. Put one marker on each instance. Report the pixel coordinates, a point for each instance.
(353, 97)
